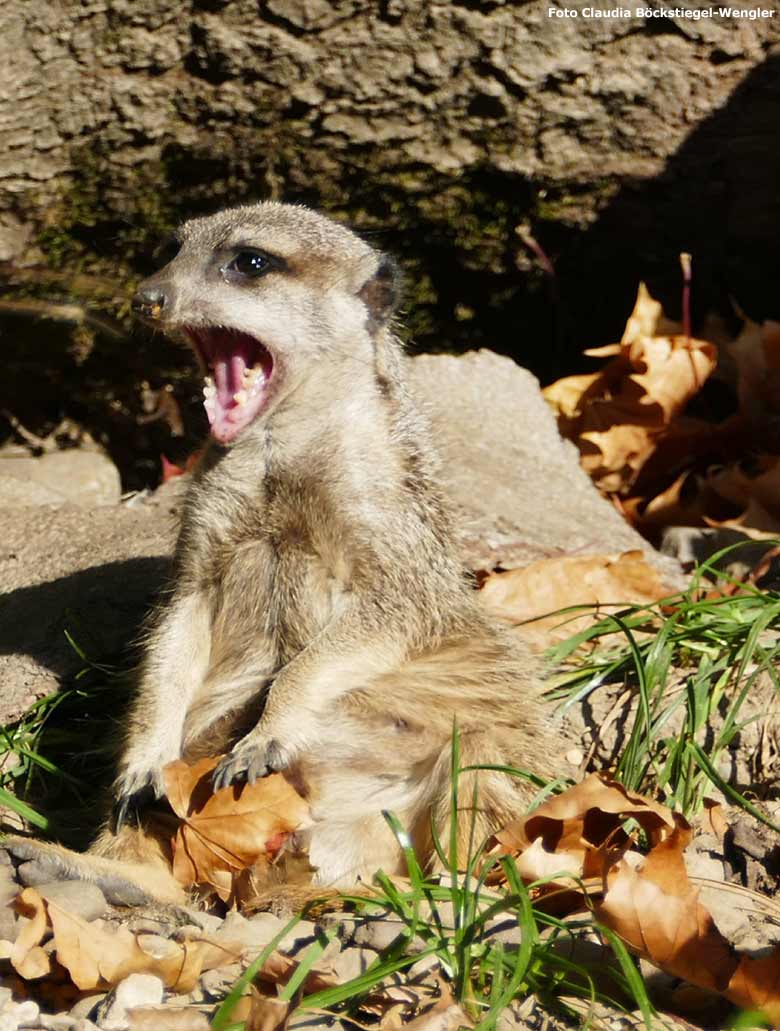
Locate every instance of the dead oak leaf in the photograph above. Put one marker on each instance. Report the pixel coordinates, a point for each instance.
(580, 830)
(755, 985)
(225, 832)
(657, 912)
(555, 583)
(756, 357)
(97, 956)
(27, 957)
(617, 416)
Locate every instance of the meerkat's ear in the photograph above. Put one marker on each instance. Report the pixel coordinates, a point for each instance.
(382, 292)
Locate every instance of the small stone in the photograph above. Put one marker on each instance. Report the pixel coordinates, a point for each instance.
(19, 1014)
(301, 935)
(217, 983)
(704, 864)
(86, 1007)
(503, 928)
(86, 1025)
(378, 932)
(77, 897)
(256, 933)
(57, 1022)
(271, 925)
(78, 475)
(352, 962)
(7, 924)
(423, 966)
(206, 923)
(134, 991)
(148, 925)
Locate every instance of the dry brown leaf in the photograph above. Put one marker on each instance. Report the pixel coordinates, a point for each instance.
(647, 319)
(279, 968)
(555, 583)
(657, 912)
(579, 830)
(617, 416)
(98, 957)
(756, 355)
(27, 957)
(713, 818)
(756, 985)
(225, 832)
(755, 523)
(762, 489)
(266, 1013)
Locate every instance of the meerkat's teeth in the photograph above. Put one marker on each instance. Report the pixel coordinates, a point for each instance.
(253, 380)
(241, 397)
(209, 390)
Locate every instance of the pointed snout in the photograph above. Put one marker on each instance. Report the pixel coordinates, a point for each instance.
(150, 301)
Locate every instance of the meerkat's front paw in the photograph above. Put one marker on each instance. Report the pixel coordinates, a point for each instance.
(255, 756)
(136, 788)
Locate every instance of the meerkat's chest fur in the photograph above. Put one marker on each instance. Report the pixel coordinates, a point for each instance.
(274, 550)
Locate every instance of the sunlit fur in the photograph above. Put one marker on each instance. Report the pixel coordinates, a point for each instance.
(319, 613)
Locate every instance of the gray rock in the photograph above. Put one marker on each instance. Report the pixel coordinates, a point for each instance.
(377, 932)
(423, 967)
(78, 475)
(250, 934)
(217, 983)
(57, 1022)
(60, 570)
(86, 1007)
(203, 923)
(257, 932)
(519, 487)
(504, 929)
(134, 991)
(352, 962)
(266, 925)
(15, 1015)
(78, 897)
(17, 493)
(7, 923)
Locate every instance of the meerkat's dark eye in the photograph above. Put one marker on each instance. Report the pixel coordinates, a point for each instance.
(250, 264)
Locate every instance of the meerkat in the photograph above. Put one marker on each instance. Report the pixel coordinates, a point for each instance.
(319, 622)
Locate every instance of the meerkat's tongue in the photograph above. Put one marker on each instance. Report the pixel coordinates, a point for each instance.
(235, 391)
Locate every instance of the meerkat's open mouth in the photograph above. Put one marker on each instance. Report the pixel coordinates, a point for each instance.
(238, 371)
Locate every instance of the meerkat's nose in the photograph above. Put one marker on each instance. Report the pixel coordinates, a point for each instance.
(149, 302)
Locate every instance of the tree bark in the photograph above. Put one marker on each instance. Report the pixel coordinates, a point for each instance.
(439, 126)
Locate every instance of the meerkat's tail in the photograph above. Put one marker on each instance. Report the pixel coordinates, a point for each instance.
(132, 868)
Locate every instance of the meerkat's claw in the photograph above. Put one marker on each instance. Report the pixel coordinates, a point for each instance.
(134, 801)
(248, 761)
